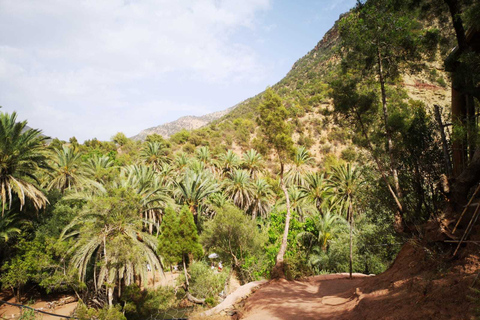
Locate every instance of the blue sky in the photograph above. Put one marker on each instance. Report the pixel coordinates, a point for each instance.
(92, 68)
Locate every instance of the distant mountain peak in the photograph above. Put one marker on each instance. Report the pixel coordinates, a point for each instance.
(186, 122)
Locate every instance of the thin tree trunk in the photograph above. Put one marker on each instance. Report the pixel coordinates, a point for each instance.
(446, 154)
(398, 215)
(185, 271)
(393, 163)
(350, 213)
(109, 285)
(278, 270)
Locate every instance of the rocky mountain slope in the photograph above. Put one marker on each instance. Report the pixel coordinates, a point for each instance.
(187, 123)
(305, 93)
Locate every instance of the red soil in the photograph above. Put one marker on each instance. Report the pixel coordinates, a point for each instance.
(416, 286)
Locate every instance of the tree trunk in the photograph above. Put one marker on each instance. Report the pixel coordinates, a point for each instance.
(350, 213)
(399, 227)
(398, 215)
(278, 271)
(441, 129)
(185, 271)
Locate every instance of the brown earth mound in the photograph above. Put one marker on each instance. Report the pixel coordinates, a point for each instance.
(420, 284)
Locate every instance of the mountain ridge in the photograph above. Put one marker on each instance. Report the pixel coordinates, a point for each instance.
(186, 122)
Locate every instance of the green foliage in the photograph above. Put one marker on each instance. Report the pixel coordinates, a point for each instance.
(179, 236)
(120, 139)
(233, 236)
(275, 129)
(180, 137)
(205, 283)
(22, 159)
(141, 304)
(85, 313)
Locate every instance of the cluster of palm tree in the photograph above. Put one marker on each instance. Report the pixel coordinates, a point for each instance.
(114, 232)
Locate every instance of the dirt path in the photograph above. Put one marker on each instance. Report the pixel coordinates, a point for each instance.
(320, 297)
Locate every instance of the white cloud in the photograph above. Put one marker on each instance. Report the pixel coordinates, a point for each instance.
(80, 67)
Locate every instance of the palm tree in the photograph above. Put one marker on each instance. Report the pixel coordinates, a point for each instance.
(108, 238)
(22, 157)
(154, 192)
(252, 162)
(261, 198)
(9, 226)
(326, 226)
(203, 155)
(154, 154)
(239, 188)
(317, 189)
(301, 161)
(181, 161)
(228, 161)
(298, 202)
(98, 168)
(194, 188)
(68, 171)
(347, 181)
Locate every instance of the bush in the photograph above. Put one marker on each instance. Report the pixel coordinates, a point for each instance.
(205, 283)
(140, 304)
(85, 313)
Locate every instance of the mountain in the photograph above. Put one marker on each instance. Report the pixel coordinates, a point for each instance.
(306, 95)
(187, 123)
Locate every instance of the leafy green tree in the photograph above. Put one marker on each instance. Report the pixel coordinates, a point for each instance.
(347, 181)
(120, 139)
(382, 39)
(276, 131)
(179, 238)
(233, 235)
(22, 158)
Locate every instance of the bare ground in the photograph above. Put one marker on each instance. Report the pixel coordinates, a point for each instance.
(417, 286)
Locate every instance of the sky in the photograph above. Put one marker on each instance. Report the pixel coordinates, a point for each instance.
(90, 68)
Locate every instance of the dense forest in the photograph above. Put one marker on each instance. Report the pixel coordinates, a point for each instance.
(333, 169)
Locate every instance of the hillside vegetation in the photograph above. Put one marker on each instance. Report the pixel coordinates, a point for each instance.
(337, 168)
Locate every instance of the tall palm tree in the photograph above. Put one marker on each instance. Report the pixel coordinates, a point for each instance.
(154, 154)
(238, 187)
(252, 162)
(108, 238)
(347, 180)
(262, 196)
(193, 189)
(68, 170)
(22, 157)
(317, 189)
(301, 161)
